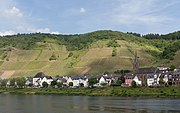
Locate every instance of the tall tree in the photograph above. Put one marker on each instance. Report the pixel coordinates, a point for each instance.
(21, 82)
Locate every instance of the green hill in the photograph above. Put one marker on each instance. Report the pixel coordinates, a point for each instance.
(27, 54)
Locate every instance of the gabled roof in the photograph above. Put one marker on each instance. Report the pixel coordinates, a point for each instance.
(147, 70)
(77, 77)
(150, 76)
(138, 77)
(129, 76)
(106, 77)
(39, 75)
(48, 77)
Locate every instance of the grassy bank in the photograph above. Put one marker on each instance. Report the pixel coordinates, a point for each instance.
(131, 92)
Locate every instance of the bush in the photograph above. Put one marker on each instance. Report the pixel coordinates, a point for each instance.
(70, 83)
(113, 43)
(70, 54)
(133, 84)
(114, 52)
(45, 84)
(53, 57)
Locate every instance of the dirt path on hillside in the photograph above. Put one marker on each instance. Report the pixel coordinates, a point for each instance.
(7, 74)
(86, 70)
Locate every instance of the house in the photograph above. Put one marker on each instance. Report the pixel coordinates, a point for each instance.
(143, 73)
(137, 79)
(105, 79)
(162, 69)
(78, 81)
(176, 78)
(150, 80)
(47, 79)
(153, 79)
(62, 80)
(39, 78)
(128, 79)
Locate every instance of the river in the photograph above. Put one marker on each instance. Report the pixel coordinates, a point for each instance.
(86, 104)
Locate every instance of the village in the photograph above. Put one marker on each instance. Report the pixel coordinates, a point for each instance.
(147, 77)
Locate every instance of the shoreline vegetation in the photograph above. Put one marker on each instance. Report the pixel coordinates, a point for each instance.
(106, 91)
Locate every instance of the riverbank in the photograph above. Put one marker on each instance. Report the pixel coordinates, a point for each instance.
(109, 91)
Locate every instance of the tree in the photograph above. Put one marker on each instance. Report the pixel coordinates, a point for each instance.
(114, 52)
(122, 71)
(70, 83)
(45, 84)
(53, 83)
(70, 54)
(4, 82)
(30, 85)
(92, 81)
(172, 67)
(81, 84)
(161, 81)
(113, 43)
(118, 82)
(133, 84)
(21, 82)
(53, 57)
(59, 84)
(103, 84)
(12, 82)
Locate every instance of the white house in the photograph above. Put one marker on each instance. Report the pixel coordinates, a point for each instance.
(105, 79)
(137, 80)
(150, 81)
(77, 80)
(39, 78)
(153, 79)
(47, 79)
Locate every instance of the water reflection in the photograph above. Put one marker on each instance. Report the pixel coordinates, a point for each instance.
(85, 104)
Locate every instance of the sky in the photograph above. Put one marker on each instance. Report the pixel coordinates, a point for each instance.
(83, 16)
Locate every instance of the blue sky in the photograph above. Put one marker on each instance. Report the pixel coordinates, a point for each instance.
(82, 16)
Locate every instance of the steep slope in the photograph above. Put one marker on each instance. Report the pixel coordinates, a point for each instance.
(27, 54)
(97, 59)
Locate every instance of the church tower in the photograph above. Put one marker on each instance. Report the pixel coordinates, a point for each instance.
(136, 63)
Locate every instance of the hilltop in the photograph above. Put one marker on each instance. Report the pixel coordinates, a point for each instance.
(95, 52)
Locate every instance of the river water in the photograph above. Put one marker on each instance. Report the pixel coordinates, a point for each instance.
(86, 104)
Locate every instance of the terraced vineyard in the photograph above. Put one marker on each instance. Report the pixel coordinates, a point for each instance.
(53, 58)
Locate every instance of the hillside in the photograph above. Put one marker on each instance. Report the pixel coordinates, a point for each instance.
(27, 54)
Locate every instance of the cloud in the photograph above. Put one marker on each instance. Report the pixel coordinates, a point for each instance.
(143, 15)
(13, 21)
(82, 10)
(55, 33)
(134, 12)
(7, 33)
(13, 12)
(41, 30)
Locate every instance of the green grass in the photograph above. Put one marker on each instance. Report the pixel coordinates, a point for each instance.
(1, 53)
(100, 44)
(45, 55)
(1, 62)
(12, 65)
(35, 65)
(118, 91)
(23, 55)
(25, 73)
